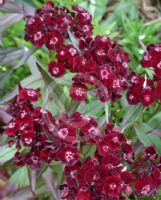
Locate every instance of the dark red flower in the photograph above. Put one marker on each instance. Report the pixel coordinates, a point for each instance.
(78, 92)
(144, 187)
(29, 94)
(66, 134)
(19, 160)
(13, 128)
(113, 187)
(55, 40)
(27, 137)
(126, 177)
(158, 89)
(68, 155)
(56, 69)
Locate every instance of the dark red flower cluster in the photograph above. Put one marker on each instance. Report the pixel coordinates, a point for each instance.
(147, 173)
(50, 25)
(105, 176)
(111, 172)
(104, 66)
(82, 26)
(101, 63)
(152, 58)
(27, 128)
(38, 137)
(141, 89)
(98, 62)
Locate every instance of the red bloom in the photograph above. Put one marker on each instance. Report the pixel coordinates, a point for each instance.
(66, 134)
(141, 90)
(78, 92)
(152, 56)
(13, 128)
(27, 137)
(144, 187)
(56, 69)
(113, 187)
(55, 40)
(29, 94)
(68, 155)
(84, 195)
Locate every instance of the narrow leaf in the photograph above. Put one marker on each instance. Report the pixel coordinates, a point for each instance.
(55, 91)
(6, 153)
(8, 56)
(131, 116)
(155, 132)
(8, 20)
(27, 54)
(20, 177)
(91, 108)
(32, 180)
(5, 116)
(15, 7)
(49, 181)
(148, 139)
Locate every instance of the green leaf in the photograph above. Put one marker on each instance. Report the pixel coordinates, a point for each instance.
(33, 81)
(65, 80)
(6, 153)
(32, 180)
(154, 122)
(26, 56)
(5, 116)
(147, 139)
(9, 55)
(141, 134)
(88, 150)
(91, 108)
(54, 92)
(20, 177)
(132, 112)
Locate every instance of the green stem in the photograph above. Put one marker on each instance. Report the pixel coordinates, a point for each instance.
(73, 40)
(107, 112)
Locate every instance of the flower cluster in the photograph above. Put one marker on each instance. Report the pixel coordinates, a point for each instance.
(110, 174)
(30, 129)
(147, 173)
(152, 58)
(50, 25)
(99, 64)
(104, 176)
(40, 138)
(27, 127)
(98, 61)
(104, 66)
(140, 88)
